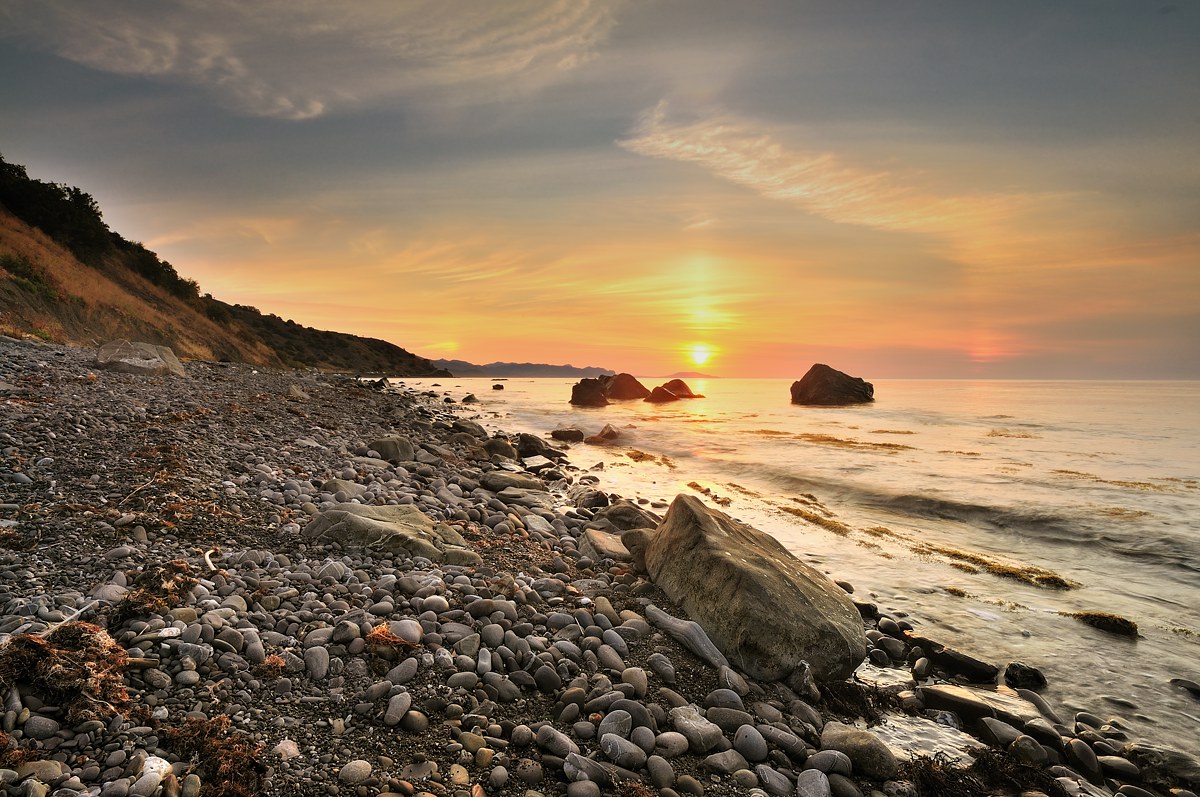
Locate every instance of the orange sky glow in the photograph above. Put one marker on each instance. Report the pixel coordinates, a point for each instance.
(940, 191)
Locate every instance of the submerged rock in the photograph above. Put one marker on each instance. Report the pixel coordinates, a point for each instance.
(762, 607)
(827, 386)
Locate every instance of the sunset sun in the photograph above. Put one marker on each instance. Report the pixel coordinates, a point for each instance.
(700, 353)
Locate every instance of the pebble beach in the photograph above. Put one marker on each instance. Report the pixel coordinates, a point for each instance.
(173, 623)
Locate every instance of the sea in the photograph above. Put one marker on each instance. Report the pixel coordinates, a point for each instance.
(983, 512)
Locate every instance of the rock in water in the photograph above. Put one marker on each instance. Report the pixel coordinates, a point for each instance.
(660, 395)
(827, 386)
(763, 608)
(138, 358)
(589, 393)
(626, 386)
(680, 389)
(396, 529)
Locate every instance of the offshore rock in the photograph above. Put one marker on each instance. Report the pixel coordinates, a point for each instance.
(626, 386)
(396, 529)
(680, 389)
(762, 607)
(660, 395)
(825, 386)
(589, 393)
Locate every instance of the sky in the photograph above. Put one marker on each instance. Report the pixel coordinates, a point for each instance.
(898, 189)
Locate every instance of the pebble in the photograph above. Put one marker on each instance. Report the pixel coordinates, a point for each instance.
(355, 772)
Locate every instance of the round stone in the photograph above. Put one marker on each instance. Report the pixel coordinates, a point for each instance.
(40, 728)
(355, 772)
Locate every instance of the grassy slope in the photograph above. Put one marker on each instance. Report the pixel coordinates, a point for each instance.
(64, 300)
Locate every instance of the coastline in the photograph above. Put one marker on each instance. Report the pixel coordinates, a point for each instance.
(125, 475)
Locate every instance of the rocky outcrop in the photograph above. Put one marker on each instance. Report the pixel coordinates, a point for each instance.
(568, 435)
(660, 395)
(825, 386)
(606, 435)
(680, 389)
(625, 386)
(589, 393)
(395, 529)
(763, 608)
(146, 359)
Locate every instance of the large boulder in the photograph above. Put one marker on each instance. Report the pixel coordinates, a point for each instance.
(762, 607)
(394, 529)
(660, 395)
(394, 448)
(827, 386)
(626, 386)
(589, 393)
(146, 359)
(680, 389)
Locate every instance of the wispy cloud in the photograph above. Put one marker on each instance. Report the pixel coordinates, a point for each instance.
(298, 59)
(819, 182)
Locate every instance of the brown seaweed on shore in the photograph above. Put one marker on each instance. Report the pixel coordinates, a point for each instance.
(1029, 574)
(829, 524)
(226, 762)
(850, 700)
(1112, 623)
(155, 591)
(77, 665)
(993, 772)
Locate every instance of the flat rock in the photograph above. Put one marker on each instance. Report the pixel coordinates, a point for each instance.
(146, 359)
(760, 605)
(598, 545)
(395, 529)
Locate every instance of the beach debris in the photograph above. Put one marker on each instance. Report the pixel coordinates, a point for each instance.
(227, 761)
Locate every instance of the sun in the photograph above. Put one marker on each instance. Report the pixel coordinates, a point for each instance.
(700, 353)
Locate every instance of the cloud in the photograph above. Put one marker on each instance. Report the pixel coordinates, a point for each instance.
(299, 59)
(821, 183)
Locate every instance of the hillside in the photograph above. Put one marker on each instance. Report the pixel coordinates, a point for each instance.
(464, 368)
(65, 276)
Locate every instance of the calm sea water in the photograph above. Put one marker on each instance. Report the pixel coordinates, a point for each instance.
(922, 498)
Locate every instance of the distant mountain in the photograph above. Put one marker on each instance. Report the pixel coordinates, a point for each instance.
(690, 375)
(464, 368)
(66, 277)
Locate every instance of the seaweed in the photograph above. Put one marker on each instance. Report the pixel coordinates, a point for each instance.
(1112, 623)
(155, 591)
(852, 700)
(382, 638)
(76, 665)
(993, 772)
(226, 762)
